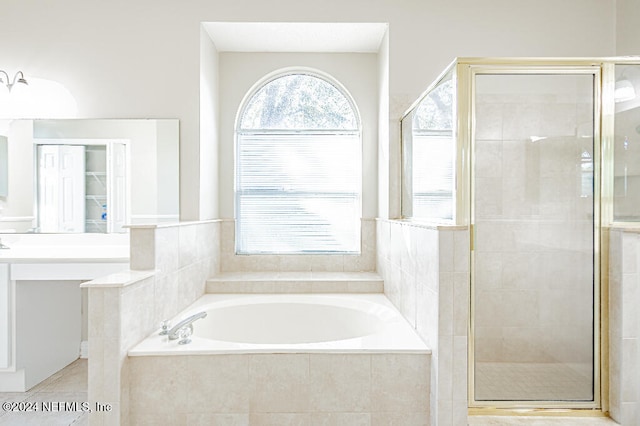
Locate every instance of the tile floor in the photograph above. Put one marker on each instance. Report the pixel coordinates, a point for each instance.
(67, 386)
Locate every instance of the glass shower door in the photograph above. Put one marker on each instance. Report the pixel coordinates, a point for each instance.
(534, 219)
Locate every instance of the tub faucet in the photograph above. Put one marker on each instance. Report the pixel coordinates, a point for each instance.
(174, 332)
(3, 246)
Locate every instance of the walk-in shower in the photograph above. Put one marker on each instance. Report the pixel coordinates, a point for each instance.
(538, 157)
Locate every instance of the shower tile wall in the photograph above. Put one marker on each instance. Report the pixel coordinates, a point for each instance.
(426, 276)
(523, 220)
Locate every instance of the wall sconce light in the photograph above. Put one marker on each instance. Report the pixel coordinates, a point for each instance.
(13, 93)
(17, 79)
(16, 88)
(38, 98)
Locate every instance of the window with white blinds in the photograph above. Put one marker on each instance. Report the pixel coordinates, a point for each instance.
(433, 182)
(428, 156)
(298, 169)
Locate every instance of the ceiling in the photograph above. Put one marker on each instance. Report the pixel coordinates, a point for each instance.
(335, 37)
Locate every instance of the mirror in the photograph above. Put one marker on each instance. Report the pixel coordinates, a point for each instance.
(89, 175)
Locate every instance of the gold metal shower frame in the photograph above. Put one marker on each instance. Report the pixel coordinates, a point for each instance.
(464, 71)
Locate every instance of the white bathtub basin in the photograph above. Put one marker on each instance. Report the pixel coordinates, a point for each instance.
(291, 323)
(287, 321)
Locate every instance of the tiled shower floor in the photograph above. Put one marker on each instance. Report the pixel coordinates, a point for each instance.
(67, 385)
(539, 421)
(533, 382)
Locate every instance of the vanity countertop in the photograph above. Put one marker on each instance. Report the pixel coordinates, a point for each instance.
(74, 254)
(64, 248)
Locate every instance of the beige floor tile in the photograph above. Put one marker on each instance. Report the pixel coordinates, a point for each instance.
(58, 400)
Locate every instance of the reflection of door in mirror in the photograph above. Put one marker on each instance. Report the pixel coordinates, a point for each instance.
(82, 186)
(61, 170)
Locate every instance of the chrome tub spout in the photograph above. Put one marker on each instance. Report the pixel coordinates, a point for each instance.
(173, 334)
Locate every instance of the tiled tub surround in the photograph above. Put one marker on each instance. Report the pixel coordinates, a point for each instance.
(426, 273)
(172, 262)
(281, 389)
(183, 255)
(364, 261)
(624, 325)
(380, 378)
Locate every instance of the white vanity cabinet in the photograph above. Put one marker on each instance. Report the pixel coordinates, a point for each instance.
(40, 306)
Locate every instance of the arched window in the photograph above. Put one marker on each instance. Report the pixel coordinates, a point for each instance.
(298, 168)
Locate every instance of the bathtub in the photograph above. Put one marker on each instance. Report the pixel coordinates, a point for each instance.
(290, 323)
(284, 359)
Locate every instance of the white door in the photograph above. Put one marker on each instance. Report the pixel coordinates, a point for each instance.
(61, 188)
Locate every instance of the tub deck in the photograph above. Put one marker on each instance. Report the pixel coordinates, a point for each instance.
(295, 282)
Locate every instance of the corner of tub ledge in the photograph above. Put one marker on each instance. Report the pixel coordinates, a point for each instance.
(439, 226)
(170, 224)
(119, 279)
(630, 227)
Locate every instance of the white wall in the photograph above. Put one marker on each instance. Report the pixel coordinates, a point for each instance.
(383, 128)
(18, 203)
(142, 59)
(627, 28)
(209, 125)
